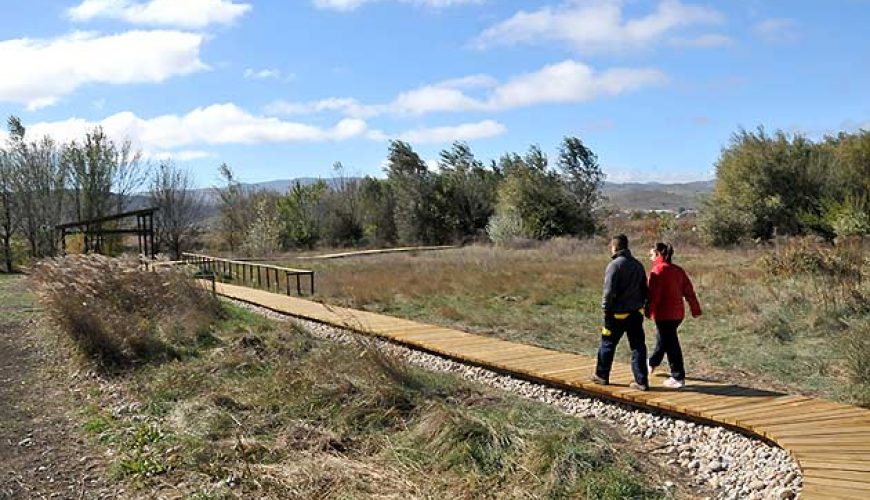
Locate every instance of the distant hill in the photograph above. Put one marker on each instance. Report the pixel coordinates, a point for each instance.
(657, 196)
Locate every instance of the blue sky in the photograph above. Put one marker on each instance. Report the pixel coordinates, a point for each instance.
(282, 88)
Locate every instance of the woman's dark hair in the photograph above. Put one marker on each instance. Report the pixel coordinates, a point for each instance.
(666, 250)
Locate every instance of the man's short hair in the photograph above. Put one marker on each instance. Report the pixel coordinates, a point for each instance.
(621, 241)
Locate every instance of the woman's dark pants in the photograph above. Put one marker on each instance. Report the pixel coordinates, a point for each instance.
(667, 342)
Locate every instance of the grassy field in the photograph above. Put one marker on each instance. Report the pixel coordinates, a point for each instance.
(795, 332)
(254, 408)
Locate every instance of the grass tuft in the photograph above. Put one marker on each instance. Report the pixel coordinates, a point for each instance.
(119, 314)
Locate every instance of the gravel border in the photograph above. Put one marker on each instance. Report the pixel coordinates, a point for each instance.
(733, 465)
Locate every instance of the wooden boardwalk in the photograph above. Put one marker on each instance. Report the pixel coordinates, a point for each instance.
(830, 441)
(379, 251)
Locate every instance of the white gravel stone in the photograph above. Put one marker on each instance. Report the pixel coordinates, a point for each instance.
(732, 464)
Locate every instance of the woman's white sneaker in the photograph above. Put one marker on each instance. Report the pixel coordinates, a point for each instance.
(673, 383)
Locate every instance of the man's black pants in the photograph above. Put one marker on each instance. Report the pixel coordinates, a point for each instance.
(633, 327)
(667, 342)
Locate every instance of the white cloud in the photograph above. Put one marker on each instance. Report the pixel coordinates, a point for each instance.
(264, 74)
(46, 70)
(344, 105)
(186, 14)
(171, 136)
(568, 82)
(565, 82)
(217, 124)
(349, 5)
(596, 25)
(185, 155)
(777, 30)
(465, 132)
(704, 41)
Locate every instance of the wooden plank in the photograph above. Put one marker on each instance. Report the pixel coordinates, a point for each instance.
(490, 347)
(557, 361)
(768, 407)
(847, 475)
(841, 465)
(797, 441)
(556, 373)
(819, 416)
(390, 330)
(474, 343)
(863, 431)
(497, 357)
(838, 483)
(810, 491)
(772, 428)
(430, 335)
(563, 377)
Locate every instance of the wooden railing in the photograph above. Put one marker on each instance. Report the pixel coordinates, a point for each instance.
(252, 274)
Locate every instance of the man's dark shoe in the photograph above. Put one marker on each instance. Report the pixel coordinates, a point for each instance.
(638, 387)
(595, 379)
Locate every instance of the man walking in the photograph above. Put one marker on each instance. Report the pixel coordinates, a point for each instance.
(625, 295)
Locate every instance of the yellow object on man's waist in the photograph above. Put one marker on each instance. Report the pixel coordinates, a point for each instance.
(625, 315)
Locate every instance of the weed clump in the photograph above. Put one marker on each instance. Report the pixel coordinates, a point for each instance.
(119, 314)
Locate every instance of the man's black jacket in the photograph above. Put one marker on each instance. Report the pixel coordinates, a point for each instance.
(625, 287)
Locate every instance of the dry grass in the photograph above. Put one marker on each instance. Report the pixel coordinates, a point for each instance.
(277, 413)
(120, 314)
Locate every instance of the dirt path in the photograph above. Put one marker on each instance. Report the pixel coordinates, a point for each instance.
(43, 452)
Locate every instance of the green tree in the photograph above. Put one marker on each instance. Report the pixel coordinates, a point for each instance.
(536, 198)
(300, 212)
(584, 180)
(469, 190)
(103, 174)
(765, 185)
(419, 213)
(237, 208)
(262, 238)
(343, 225)
(378, 209)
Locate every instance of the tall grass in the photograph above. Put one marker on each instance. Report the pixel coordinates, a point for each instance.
(118, 313)
(298, 417)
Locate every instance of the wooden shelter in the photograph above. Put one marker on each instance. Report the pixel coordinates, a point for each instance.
(95, 230)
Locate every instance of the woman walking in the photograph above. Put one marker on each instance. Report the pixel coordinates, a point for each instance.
(668, 286)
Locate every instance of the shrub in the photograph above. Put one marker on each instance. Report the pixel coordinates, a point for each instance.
(850, 217)
(118, 313)
(505, 228)
(835, 274)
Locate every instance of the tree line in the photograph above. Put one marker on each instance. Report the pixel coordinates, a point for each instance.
(766, 185)
(44, 183)
(462, 199)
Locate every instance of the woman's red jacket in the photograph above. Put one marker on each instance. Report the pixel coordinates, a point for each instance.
(668, 285)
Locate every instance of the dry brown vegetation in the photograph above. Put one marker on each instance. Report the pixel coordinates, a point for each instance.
(119, 313)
